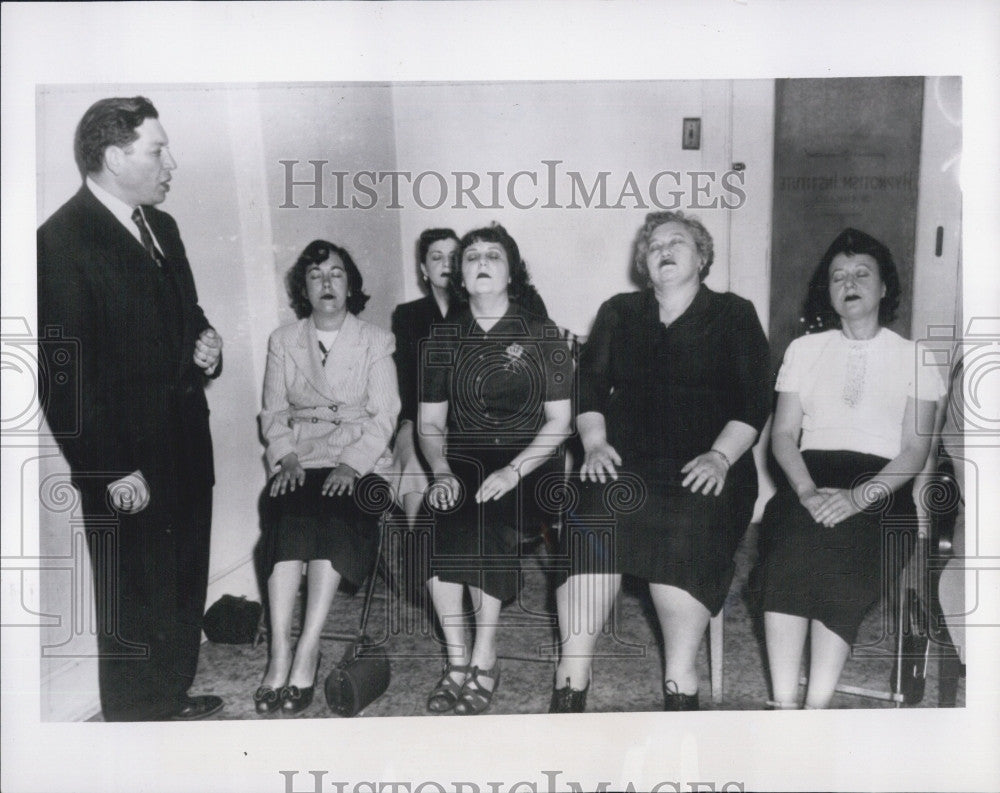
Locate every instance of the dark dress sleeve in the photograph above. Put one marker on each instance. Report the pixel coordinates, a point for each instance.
(595, 361)
(751, 360)
(405, 357)
(436, 368)
(558, 365)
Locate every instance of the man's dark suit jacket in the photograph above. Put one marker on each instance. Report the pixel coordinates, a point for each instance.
(139, 404)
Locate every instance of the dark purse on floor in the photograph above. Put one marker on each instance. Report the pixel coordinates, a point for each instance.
(362, 675)
(232, 620)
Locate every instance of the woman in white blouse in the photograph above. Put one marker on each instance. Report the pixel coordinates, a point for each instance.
(330, 408)
(852, 428)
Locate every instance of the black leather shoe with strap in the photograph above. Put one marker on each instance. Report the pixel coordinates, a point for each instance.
(568, 699)
(476, 698)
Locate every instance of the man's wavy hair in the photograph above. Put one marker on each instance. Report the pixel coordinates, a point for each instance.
(520, 288)
(316, 252)
(702, 240)
(818, 313)
(108, 122)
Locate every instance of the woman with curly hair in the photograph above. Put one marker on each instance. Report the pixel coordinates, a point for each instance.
(852, 428)
(674, 388)
(494, 407)
(329, 410)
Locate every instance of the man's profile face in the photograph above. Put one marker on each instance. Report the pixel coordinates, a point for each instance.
(143, 175)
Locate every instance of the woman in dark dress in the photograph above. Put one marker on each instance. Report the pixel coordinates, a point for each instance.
(494, 407)
(852, 427)
(411, 324)
(674, 388)
(329, 409)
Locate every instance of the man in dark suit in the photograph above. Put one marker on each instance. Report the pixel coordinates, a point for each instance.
(113, 277)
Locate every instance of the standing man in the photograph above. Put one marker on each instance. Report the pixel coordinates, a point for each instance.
(113, 277)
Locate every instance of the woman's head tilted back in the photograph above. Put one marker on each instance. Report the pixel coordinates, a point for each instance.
(849, 253)
(520, 281)
(316, 253)
(702, 239)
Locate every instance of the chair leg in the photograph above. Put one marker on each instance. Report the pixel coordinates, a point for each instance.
(715, 651)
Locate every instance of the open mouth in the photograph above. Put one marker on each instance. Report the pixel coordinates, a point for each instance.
(851, 297)
(483, 275)
(326, 296)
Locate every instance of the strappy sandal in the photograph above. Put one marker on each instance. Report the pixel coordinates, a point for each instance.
(476, 699)
(445, 695)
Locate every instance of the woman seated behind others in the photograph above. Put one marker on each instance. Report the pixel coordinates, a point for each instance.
(329, 410)
(852, 428)
(494, 407)
(674, 388)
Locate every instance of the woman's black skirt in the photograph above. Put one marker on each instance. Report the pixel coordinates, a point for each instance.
(647, 525)
(481, 544)
(834, 575)
(304, 525)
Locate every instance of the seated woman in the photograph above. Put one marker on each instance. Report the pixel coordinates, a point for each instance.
(852, 428)
(329, 409)
(411, 325)
(494, 407)
(674, 388)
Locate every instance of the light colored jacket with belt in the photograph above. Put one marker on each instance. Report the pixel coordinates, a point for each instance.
(341, 412)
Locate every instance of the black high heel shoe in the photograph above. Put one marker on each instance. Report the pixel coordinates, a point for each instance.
(267, 700)
(673, 699)
(294, 700)
(568, 700)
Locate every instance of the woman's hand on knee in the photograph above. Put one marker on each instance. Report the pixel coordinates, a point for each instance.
(290, 476)
(340, 481)
(444, 490)
(599, 463)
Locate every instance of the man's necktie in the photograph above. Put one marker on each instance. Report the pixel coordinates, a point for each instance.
(147, 238)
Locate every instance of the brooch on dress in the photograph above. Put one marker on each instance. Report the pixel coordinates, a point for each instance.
(513, 357)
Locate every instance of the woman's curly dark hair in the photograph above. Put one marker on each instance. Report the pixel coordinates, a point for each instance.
(702, 240)
(819, 314)
(520, 288)
(316, 252)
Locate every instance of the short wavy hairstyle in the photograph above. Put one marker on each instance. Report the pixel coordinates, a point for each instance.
(520, 287)
(819, 313)
(108, 122)
(316, 252)
(427, 238)
(702, 240)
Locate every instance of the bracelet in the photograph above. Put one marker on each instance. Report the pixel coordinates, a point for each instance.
(723, 456)
(513, 468)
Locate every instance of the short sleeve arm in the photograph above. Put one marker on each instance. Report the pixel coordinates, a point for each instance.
(753, 405)
(789, 375)
(405, 358)
(437, 361)
(927, 384)
(558, 365)
(595, 362)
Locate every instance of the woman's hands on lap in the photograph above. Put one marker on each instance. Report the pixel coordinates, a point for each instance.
(838, 505)
(289, 477)
(706, 473)
(444, 490)
(497, 484)
(340, 481)
(599, 463)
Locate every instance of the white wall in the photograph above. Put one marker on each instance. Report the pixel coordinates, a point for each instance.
(580, 257)
(229, 186)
